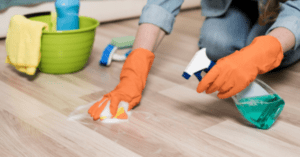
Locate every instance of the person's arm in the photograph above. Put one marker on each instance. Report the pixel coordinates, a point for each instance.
(148, 37)
(286, 26)
(156, 21)
(285, 37)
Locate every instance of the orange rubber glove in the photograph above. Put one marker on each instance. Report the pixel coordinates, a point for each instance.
(132, 82)
(235, 72)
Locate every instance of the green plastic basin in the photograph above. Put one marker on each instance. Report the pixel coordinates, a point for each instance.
(66, 51)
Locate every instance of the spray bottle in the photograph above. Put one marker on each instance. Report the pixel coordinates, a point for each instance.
(258, 103)
(67, 14)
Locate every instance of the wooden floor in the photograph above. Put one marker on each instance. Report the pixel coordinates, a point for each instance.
(171, 120)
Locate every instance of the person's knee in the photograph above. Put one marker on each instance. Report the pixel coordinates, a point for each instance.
(217, 45)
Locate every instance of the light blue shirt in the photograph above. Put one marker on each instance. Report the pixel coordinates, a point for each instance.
(162, 13)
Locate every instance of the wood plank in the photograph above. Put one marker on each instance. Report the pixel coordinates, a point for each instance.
(76, 137)
(18, 138)
(253, 140)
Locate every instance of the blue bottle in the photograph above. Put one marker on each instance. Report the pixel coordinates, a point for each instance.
(67, 14)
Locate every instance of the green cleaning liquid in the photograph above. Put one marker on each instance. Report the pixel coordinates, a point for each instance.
(262, 111)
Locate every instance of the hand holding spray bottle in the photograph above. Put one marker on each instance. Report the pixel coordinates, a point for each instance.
(258, 103)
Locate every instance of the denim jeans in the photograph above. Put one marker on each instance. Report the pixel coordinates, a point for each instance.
(234, 30)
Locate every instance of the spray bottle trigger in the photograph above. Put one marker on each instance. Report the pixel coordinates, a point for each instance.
(210, 66)
(198, 75)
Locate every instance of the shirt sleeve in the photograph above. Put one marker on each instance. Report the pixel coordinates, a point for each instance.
(161, 13)
(289, 17)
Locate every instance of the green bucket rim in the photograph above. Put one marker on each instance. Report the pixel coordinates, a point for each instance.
(72, 31)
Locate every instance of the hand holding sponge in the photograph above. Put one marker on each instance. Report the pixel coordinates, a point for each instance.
(132, 83)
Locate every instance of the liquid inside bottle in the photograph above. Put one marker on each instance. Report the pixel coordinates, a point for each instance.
(262, 107)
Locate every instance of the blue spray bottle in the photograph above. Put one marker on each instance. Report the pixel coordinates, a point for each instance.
(67, 14)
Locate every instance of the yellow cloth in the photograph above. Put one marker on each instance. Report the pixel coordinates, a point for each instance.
(23, 43)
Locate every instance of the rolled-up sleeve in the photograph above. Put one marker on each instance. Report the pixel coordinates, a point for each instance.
(289, 17)
(161, 13)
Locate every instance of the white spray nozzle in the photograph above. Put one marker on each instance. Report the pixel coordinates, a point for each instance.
(199, 62)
